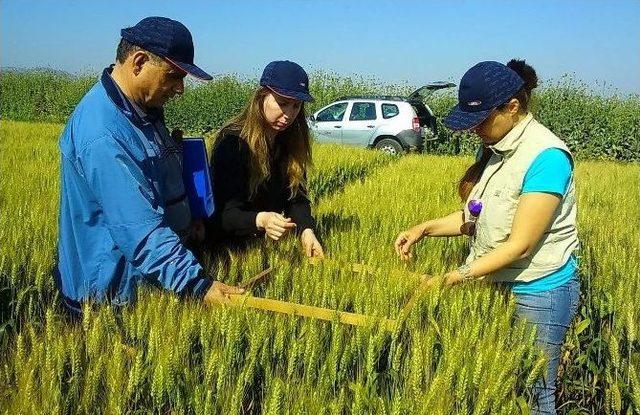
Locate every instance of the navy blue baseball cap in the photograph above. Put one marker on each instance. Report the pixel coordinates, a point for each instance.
(167, 38)
(288, 79)
(484, 87)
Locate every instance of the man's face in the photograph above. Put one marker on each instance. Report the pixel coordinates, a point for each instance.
(159, 81)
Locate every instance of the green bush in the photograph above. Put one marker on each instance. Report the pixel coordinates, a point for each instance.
(207, 106)
(594, 126)
(41, 95)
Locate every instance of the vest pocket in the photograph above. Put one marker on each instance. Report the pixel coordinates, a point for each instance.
(501, 201)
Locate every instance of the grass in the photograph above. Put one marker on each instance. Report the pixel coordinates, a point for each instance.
(460, 350)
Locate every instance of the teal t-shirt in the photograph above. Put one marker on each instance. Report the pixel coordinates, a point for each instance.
(550, 172)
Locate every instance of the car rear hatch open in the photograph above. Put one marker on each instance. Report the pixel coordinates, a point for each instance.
(424, 113)
(423, 92)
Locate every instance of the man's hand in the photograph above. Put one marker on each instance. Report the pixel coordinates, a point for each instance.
(407, 239)
(310, 244)
(274, 224)
(220, 293)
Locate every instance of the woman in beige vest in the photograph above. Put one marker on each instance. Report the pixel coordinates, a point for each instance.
(519, 209)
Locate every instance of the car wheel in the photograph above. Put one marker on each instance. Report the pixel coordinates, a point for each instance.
(389, 146)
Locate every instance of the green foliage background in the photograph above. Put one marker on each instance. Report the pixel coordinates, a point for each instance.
(594, 126)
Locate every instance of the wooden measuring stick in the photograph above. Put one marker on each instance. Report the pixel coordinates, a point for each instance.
(258, 279)
(424, 285)
(320, 313)
(302, 310)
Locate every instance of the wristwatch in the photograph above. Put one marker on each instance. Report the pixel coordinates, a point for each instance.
(465, 272)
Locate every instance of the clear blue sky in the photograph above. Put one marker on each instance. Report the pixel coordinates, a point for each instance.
(394, 41)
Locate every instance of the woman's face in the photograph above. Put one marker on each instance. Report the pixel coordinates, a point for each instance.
(499, 123)
(279, 111)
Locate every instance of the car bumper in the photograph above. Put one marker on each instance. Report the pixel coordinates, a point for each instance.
(411, 141)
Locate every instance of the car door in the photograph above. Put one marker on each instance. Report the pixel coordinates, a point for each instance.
(361, 124)
(328, 122)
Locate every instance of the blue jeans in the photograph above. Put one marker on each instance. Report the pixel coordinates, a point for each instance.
(551, 313)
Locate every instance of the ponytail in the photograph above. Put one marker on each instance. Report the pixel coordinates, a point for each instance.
(530, 78)
(473, 174)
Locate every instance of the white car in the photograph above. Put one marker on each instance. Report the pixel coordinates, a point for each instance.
(390, 123)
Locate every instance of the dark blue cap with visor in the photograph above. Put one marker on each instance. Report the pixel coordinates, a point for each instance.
(168, 39)
(288, 79)
(484, 87)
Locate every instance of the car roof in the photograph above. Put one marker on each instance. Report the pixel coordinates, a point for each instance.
(414, 98)
(393, 98)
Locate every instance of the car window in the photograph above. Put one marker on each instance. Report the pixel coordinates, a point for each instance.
(363, 111)
(389, 110)
(333, 113)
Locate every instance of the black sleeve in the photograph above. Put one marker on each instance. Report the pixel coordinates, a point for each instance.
(229, 172)
(299, 210)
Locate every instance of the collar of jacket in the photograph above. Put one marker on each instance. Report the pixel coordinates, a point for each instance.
(513, 138)
(120, 100)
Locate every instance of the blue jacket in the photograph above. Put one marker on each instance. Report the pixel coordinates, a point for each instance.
(121, 203)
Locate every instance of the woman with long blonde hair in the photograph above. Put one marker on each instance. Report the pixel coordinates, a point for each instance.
(260, 160)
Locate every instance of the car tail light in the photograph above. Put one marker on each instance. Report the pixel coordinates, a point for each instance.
(416, 124)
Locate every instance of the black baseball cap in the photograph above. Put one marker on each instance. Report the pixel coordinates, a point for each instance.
(484, 87)
(288, 79)
(167, 38)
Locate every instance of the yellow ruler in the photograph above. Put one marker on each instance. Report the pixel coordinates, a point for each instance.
(302, 310)
(308, 311)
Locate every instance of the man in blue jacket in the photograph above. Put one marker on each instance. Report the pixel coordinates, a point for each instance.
(124, 214)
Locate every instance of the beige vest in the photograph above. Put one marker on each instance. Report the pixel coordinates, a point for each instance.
(499, 189)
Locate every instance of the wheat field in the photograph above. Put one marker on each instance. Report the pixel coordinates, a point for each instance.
(459, 350)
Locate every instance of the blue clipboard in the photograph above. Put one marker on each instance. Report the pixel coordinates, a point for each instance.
(197, 178)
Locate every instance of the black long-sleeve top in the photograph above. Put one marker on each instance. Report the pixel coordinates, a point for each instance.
(235, 214)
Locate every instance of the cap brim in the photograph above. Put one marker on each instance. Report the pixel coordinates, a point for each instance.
(459, 120)
(302, 96)
(192, 70)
